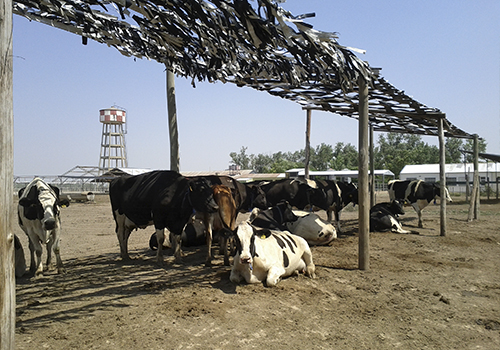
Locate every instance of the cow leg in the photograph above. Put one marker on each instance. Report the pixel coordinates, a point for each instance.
(57, 251)
(176, 243)
(274, 275)
(122, 233)
(310, 268)
(160, 238)
(416, 206)
(208, 221)
(38, 266)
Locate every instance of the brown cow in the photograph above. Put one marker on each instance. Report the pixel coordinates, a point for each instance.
(222, 221)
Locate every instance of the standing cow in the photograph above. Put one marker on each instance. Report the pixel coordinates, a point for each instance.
(39, 217)
(417, 192)
(338, 195)
(268, 255)
(165, 199)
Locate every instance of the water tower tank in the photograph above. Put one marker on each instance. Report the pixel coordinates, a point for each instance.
(113, 151)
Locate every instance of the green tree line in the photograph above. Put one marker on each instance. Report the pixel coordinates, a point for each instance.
(393, 151)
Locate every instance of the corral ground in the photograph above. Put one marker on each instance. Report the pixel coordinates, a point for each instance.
(421, 292)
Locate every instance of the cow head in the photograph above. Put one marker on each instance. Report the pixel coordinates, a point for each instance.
(258, 197)
(349, 193)
(437, 192)
(284, 212)
(201, 196)
(41, 202)
(396, 207)
(245, 238)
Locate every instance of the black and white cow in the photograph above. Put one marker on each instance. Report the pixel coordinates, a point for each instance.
(384, 217)
(299, 193)
(273, 218)
(312, 228)
(416, 192)
(269, 255)
(338, 195)
(19, 259)
(165, 199)
(39, 217)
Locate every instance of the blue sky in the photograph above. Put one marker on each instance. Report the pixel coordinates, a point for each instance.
(444, 53)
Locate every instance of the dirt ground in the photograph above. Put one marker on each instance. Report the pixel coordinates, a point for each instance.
(421, 292)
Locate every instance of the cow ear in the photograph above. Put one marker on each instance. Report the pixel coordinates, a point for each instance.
(55, 189)
(262, 233)
(30, 198)
(63, 203)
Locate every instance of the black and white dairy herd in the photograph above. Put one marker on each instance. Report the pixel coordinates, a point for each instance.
(274, 242)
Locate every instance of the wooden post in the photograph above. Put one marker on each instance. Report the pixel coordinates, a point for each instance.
(308, 144)
(477, 197)
(442, 176)
(172, 122)
(372, 170)
(7, 277)
(364, 198)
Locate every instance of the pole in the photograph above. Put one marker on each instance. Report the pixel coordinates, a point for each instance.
(476, 198)
(372, 170)
(442, 176)
(364, 199)
(308, 144)
(172, 122)
(7, 277)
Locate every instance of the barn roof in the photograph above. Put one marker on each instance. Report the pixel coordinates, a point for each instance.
(263, 46)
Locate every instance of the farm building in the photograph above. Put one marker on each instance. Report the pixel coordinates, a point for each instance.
(457, 175)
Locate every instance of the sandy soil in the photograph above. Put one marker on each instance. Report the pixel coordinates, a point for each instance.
(421, 292)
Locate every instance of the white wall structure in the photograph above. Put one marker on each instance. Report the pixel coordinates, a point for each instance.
(456, 174)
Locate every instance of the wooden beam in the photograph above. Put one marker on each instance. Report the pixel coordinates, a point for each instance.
(442, 177)
(308, 144)
(7, 277)
(477, 197)
(172, 123)
(363, 193)
(372, 170)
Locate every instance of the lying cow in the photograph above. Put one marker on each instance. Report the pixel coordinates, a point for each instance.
(19, 260)
(273, 218)
(165, 199)
(384, 217)
(312, 228)
(39, 217)
(269, 255)
(416, 192)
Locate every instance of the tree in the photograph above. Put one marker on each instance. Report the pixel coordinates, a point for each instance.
(241, 159)
(469, 146)
(398, 150)
(453, 147)
(321, 157)
(345, 156)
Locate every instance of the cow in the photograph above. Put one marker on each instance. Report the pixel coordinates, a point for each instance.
(299, 193)
(273, 218)
(416, 192)
(39, 217)
(338, 195)
(19, 259)
(384, 217)
(269, 255)
(202, 227)
(222, 221)
(246, 197)
(162, 198)
(312, 228)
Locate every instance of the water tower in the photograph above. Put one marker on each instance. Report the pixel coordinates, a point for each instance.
(113, 151)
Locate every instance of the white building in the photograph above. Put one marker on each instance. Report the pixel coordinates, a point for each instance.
(457, 175)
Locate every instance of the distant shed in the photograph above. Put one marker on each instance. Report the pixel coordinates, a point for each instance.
(457, 175)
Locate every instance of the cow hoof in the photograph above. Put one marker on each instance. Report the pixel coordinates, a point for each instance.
(61, 270)
(208, 264)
